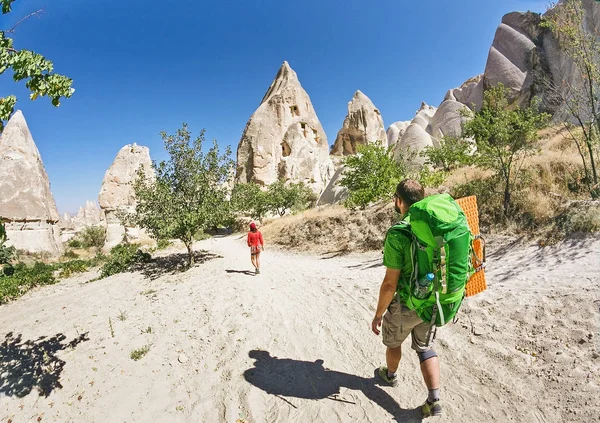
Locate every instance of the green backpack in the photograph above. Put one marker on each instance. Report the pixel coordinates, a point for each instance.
(441, 244)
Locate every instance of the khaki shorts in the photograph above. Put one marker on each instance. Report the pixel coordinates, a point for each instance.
(399, 321)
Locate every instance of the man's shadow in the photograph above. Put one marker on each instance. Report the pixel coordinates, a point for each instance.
(310, 380)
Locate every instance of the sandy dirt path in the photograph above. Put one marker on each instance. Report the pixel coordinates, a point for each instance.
(293, 344)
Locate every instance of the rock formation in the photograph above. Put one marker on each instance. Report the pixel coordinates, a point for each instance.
(334, 193)
(513, 54)
(470, 93)
(117, 192)
(67, 227)
(447, 121)
(416, 137)
(89, 215)
(26, 202)
(528, 61)
(363, 125)
(284, 139)
(396, 131)
(525, 58)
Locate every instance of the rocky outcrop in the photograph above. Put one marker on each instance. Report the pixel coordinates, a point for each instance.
(396, 131)
(89, 215)
(26, 202)
(284, 139)
(67, 228)
(527, 59)
(363, 125)
(513, 55)
(447, 121)
(334, 193)
(117, 192)
(416, 137)
(470, 93)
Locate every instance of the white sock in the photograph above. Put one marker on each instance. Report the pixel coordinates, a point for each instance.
(434, 395)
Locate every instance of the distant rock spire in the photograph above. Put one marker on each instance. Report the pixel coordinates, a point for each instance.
(117, 190)
(284, 140)
(363, 125)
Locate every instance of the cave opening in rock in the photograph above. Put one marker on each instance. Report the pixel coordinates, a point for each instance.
(285, 149)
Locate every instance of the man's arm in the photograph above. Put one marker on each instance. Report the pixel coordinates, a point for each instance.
(386, 295)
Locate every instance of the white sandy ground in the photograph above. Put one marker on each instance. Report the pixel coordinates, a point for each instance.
(294, 345)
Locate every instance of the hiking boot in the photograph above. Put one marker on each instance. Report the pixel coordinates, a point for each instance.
(431, 409)
(383, 374)
(257, 271)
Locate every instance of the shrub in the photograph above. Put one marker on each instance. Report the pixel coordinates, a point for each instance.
(74, 243)
(452, 153)
(431, 178)
(371, 175)
(92, 236)
(122, 259)
(282, 197)
(69, 268)
(25, 278)
(584, 218)
(489, 200)
(70, 255)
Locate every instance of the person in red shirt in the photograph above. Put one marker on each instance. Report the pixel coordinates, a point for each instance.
(256, 244)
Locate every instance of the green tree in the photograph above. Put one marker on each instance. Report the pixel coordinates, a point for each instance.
(451, 153)
(189, 193)
(505, 136)
(282, 197)
(249, 199)
(31, 67)
(580, 89)
(371, 175)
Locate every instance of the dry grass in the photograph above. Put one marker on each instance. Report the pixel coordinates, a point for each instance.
(332, 229)
(462, 176)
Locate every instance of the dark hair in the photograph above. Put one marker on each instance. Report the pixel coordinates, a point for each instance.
(410, 191)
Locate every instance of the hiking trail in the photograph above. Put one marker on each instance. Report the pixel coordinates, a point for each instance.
(293, 344)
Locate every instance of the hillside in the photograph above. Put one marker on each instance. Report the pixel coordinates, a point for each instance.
(552, 203)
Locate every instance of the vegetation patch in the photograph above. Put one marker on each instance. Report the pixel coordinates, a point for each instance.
(140, 352)
(123, 258)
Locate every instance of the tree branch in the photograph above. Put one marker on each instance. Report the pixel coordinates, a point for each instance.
(37, 12)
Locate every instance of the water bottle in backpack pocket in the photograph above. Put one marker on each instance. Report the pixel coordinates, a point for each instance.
(424, 286)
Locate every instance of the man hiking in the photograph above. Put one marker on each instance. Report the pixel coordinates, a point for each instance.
(399, 321)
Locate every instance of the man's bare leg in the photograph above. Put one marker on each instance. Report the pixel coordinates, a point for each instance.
(392, 358)
(258, 261)
(430, 368)
(431, 373)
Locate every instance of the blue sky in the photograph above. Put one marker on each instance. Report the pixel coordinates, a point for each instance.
(141, 67)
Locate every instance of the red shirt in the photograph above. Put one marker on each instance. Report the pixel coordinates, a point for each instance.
(255, 239)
